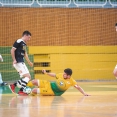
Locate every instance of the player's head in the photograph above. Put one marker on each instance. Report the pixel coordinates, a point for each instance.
(67, 73)
(116, 26)
(26, 35)
(26, 32)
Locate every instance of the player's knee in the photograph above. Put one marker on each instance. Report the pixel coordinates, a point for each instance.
(27, 75)
(115, 73)
(34, 90)
(35, 82)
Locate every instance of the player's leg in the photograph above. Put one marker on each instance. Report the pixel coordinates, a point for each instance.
(24, 75)
(35, 91)
(37, 82)
(115, 72)
(33, 83)
(23, 84)
(44, 88)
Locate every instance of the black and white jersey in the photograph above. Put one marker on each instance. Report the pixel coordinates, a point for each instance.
(20, 46)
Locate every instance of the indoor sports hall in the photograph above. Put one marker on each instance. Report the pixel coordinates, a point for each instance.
(76, 34)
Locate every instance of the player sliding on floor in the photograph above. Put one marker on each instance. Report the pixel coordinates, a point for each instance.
(18, 53)
(57, 88)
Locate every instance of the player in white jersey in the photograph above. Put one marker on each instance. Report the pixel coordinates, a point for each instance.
(18, 53)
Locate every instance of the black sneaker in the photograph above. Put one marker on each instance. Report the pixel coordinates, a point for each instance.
(4, 84)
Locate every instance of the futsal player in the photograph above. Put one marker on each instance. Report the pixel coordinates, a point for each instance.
(18, 53)
(115, 69)
(57, 88)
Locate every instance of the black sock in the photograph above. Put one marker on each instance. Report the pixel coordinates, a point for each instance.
(15, 83)
(21, 89)
(24, 83)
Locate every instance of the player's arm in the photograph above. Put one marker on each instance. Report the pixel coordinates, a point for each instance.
(27, 59)
(13, 55)
(49, 74)
(81, 90)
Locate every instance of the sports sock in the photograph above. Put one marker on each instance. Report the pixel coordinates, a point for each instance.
(32, 94)
(38, 90)
(25, 81)
(19, 83)
(21, 89)
(22, 82)
(15, 84)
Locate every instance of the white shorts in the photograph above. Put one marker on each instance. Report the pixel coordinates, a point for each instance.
(21, 69)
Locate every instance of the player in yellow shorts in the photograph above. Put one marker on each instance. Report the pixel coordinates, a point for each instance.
(57, 88)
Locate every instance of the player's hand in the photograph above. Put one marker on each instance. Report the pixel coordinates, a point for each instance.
(14, 62)
(86, 94)
(30, 63)
(44, 71)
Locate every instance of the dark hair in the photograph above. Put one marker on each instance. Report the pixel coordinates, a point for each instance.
(116, 24)
(26, 33)
(68, 71)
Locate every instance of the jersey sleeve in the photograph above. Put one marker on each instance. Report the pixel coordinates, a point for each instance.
(57, 76)
(74, 82)
(17, 43)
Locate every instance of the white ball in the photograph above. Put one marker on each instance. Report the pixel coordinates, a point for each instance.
(27, 90)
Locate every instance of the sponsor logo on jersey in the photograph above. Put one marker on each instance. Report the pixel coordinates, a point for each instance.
(22, 54)
(61, 83)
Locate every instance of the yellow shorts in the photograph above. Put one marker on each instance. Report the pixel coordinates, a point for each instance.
(45, 88)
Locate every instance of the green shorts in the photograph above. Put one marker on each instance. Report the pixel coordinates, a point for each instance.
(55, 89)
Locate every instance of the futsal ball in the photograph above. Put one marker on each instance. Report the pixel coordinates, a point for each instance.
(27, 90)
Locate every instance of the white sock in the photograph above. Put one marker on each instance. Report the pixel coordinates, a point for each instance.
(38, 90)
(38, 82)
(24, 81)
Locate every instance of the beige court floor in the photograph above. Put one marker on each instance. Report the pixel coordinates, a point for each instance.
(101, 103)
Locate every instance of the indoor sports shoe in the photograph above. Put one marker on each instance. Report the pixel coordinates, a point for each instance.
(12, 88)
(22, 93)
(4, 84)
